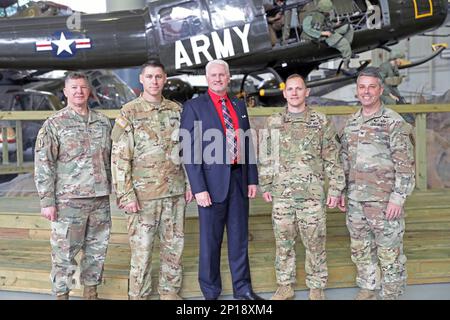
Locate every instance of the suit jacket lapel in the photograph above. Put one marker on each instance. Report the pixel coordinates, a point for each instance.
(215, 117)
(238, 110)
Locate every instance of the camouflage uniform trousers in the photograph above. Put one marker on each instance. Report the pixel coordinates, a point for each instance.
(166, 218)
(341, 40)
(291, 217)
(83, 224)
(373, 239)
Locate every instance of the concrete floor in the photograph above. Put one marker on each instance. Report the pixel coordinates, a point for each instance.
(439, 291)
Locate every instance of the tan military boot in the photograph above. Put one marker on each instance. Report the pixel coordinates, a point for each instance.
(90, 293)
(64, 296)
(284, 293)
(365, 294)
(170, 296)
(316, 294)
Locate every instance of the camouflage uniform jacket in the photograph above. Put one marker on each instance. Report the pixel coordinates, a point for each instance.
(313, 25)
(387, 70)
(72, 157)
(145, 163)
(308, 147)
(390, 72)
(378, 157)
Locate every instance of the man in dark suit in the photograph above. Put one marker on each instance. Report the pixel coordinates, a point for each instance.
(221, 167)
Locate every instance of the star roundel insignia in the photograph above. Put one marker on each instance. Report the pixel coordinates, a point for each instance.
(63, 44)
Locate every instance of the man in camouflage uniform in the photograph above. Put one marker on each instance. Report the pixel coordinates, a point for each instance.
(293, 178)
(392, 79)
(150, 185)
(73, 178)
(378, 159)
(317, 27)
(275, 19)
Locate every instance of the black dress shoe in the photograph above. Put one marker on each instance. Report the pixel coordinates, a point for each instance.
(248, 296)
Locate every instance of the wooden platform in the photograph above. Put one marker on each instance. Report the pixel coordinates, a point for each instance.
(25, 249)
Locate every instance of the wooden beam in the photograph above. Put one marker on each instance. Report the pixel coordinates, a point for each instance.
(25, 249)
(19, 143)
(25, 115)
(421, 151)
(347, 110)
(5, 153)
(112, 287)
(12, 168)
(253, 112)
(32, 276)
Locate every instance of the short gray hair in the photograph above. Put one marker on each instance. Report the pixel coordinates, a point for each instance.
(77, 75)
(219, 62)
(371, 72)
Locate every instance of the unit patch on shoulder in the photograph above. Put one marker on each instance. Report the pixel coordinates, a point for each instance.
(122, 122)
(120, 127)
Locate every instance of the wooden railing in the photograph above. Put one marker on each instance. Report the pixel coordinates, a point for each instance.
(420, 112)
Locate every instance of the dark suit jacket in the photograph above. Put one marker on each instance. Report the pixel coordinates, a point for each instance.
(214, 176)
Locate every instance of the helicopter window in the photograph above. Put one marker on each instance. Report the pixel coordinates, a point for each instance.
(41, 103)
(227, 13)
(181, 21)
(11, 10)
(95, 83)
(357, 12)
(109, 93)
(423, 8)
(21, 102)
(31, 102)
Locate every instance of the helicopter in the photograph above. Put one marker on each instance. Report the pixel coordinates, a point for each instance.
(42, 90)
(184, 35)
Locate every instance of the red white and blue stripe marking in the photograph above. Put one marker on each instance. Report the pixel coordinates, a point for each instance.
(63, 45)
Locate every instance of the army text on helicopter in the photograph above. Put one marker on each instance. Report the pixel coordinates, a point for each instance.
(185, 35)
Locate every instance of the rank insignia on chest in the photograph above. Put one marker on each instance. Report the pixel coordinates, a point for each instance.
(313, 124)
(379, 122)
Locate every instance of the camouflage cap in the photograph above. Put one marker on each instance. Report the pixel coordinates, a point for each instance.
(325, 6)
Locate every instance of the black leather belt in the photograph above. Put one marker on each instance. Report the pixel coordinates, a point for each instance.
(235, 166)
